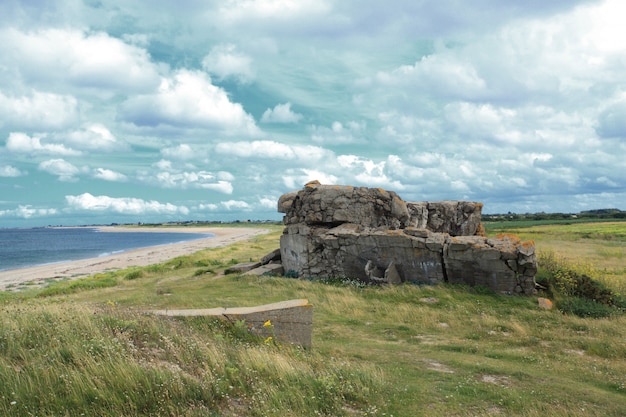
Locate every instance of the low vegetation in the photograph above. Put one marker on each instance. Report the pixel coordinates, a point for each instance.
(87, 347)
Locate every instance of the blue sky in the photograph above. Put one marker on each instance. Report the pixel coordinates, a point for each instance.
(119, 111)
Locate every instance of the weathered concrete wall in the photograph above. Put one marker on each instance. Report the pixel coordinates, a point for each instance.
(376, 240)
(332, 205)
(291, 321)
(337, 204)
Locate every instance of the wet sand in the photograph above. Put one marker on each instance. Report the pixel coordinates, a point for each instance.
(38, 275)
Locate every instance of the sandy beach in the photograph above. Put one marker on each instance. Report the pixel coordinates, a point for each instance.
(136, 257)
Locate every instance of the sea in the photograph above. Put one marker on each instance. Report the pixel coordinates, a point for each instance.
(23, 247)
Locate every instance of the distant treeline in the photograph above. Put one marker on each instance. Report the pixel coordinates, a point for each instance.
(599, 214)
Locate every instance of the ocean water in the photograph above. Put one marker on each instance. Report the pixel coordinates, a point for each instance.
(21, 248)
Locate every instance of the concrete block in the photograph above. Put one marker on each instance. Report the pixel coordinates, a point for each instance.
(290, 321)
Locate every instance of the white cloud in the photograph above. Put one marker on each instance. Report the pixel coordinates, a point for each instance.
(85, 60)
(269, 202)
(228, 205)
(606, 32)
(102, 203)
(169, 177)
(189, 100)
(514, 102)
(339, 134)
(61, 168)
(267, 149)
(182, 151)
(164, 164)
(406, 129)
(94, 136)
(109, 175)
(281, 113)
(207, 206)
(224, 61)
(27, 211)
(235, 205)
(368, 172)
(225, 176)
(37, 111)
(439, 74)
(273, 10)
(22, 143)
(224, 187)
(9, 171)
(296, 178)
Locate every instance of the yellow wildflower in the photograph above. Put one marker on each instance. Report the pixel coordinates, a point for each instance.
(267, 323)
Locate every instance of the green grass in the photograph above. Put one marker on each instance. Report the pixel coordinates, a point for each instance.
(597, 248)
(408, 350)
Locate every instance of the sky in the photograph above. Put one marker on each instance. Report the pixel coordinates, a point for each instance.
(144, 111)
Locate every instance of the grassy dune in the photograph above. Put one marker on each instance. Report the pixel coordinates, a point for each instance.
(85, 347)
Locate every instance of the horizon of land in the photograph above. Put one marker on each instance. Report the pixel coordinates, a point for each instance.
(601, 213)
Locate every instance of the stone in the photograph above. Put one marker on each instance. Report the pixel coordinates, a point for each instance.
(457, 218)
(318, 204)
(273, 256)
(391, 275)
(241, 268)
(267, 269)
(544, 303)
(372, 235)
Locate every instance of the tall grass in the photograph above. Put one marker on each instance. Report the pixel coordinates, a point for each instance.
(72, 359)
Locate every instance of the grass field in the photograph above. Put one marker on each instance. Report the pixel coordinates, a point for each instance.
(84, 347)
(598, 248)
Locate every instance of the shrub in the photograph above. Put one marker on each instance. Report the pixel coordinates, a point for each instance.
(344, 282)
(84, 284)
(133, 275)
(203, 271)
(585, 308)
(291, 274)
(563, 279)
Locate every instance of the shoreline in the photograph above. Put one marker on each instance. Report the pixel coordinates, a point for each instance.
(37, 275)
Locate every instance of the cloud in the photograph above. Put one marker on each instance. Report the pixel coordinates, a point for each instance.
(224, 61)
(22, 143)
(27, 211)
(228, 205)
(339, 134)
(108, 175)
(510, 103)
(93, 136)
(366, 171)
(281, 113)
(61, 168)
(136, 206)
(169, 177)
(267, 149)
(182, 151)
(235, 205)
(9, 171)
(189, 100)
(296, 178)
(612, 121)
(272, 10)
(84, 60)
(38, 111)
(438, 74)
(268, 202)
